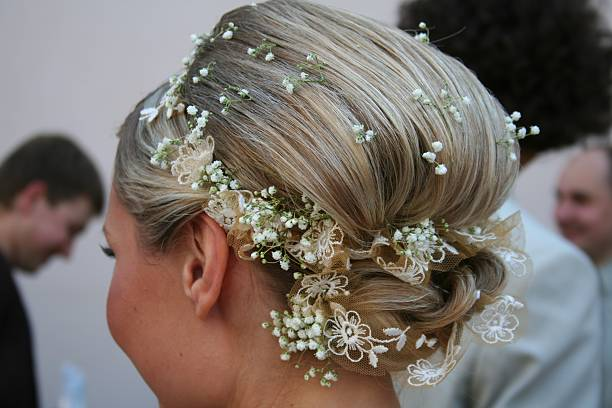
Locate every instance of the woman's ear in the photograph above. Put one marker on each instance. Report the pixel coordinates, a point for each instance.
(205, 264)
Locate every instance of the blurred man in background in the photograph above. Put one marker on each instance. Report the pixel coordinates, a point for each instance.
(552, 61)
(584, 216)
(49, 190)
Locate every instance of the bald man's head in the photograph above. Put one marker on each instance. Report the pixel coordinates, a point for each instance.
(584, 203)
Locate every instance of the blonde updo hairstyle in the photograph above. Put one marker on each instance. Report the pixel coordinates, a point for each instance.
(303, 143)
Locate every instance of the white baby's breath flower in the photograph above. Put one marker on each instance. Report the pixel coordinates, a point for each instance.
(269, 57)
(429, 156)
(251, 51)
(422, 37)
(222, 99)
(244, 93)
(441, 170)
(192, 110)
(437, 146)
(204, 72)
(522, 132)
(515, 116)
(422, 25)
(534, 130)
(303, 75)
(195, 79)
(228, 35)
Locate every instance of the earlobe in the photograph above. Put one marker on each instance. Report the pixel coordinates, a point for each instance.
(206, 263)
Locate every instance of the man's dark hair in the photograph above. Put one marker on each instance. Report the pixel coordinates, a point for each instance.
(550, 60)
(57, 161)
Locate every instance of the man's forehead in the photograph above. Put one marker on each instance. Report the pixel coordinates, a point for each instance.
(591, 168)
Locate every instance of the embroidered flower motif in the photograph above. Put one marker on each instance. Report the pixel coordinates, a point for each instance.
(497, 323)
(225, 207)
(318, 243)
(417, 245)
(431, 343)
(325, 286)
(515, 261)
(476, 234)
(192, 160)
(352, 339)
(424, 372)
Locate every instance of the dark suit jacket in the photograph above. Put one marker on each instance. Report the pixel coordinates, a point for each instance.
(17, 382)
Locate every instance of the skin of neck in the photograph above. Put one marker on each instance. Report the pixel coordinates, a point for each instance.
(9, 229)
(250, 372)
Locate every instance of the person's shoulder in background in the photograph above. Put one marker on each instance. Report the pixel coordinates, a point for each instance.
(556, 361)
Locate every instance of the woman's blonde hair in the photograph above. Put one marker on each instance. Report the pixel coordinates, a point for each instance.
(303, 143)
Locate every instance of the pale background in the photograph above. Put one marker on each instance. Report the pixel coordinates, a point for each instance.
(79, 66)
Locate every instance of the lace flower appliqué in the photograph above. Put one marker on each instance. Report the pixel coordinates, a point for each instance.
(350, 338)
(497, 322)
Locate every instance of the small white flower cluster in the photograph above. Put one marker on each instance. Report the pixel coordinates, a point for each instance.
(431, 157)
(264, 46)
(513, 133)
(419, 241)
(299, 330)
(271, 226)
(197, 124)
(204, 73)
(161, 156)
(423, 34)
(362, 135)
(214, 174)
(314, 66)
(449, 104)
(328, 376)
(170, 100)
(227, 99)
(227, 33)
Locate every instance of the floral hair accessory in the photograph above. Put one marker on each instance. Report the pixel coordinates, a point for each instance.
(513, 134)
(204, 73)
(227, 98)
(311, 71)
(422, 35)
(449, 104)
(264, 46)
(362, 135)
(431, 157)
(299, 236)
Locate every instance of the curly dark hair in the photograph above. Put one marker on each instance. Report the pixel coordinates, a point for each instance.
(551, 60)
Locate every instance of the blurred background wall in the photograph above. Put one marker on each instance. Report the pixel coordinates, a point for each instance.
(79, 66)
